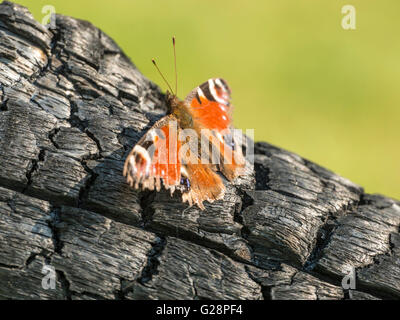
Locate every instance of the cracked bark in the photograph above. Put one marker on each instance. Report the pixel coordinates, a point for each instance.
(71, 107)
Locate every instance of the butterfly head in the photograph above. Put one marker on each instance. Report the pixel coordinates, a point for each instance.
(172, 100)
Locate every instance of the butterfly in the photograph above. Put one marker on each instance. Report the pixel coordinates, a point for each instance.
(169, 152)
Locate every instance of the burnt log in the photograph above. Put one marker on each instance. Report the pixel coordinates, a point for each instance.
(72, 105)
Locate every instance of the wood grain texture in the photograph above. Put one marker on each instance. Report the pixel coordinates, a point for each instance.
(71, 106)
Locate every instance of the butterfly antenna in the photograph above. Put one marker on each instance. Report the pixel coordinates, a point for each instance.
(176, 73)
(155, 64)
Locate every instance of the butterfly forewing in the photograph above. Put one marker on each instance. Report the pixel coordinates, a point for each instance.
(155, 157)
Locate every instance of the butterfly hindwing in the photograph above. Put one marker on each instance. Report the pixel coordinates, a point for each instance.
(205, 185)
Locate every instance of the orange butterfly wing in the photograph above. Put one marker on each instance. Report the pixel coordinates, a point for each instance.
(211, 110)
(210, 105)
(155, 158)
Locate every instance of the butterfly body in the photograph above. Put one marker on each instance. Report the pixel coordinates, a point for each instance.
(180, 110)
(169, 151)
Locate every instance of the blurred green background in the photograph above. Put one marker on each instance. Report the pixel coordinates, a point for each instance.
(298, 78)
